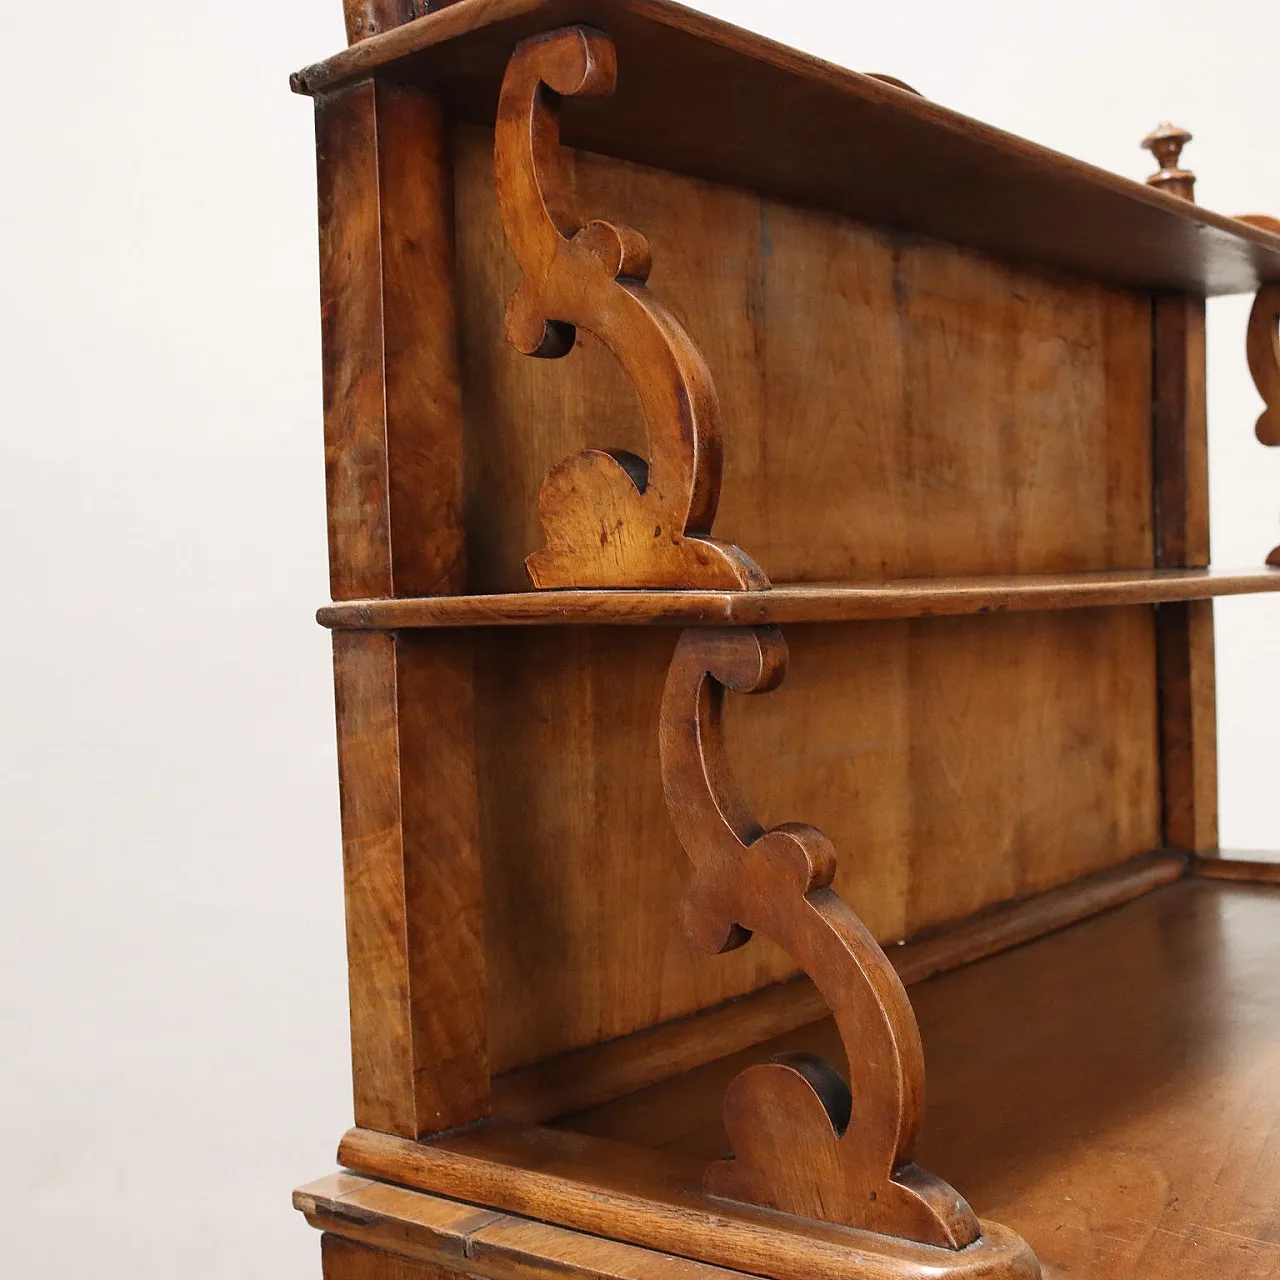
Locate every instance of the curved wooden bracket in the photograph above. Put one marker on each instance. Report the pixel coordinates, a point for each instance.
(1262, 347)
(804, 1141)
(610, 519)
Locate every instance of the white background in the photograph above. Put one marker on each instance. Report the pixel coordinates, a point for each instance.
(173, 1054)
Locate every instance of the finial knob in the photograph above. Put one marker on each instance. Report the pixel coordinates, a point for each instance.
(1165, 142)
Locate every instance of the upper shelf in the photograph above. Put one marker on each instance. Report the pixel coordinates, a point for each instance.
(702, 97)
(803, 602)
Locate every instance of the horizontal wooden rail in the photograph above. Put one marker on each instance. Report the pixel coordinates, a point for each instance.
(655, 1200)
(804, 602)
(1249, 868)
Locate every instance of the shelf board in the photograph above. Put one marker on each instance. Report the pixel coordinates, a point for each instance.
(1109, 1092)
(803, 602)
(702, 97)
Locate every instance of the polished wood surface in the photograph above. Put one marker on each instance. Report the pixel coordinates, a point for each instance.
(1220, 864)
(868, 384)
(588, 1077)
(610, 518)
(655, 1200)
(429, 1236)
(392, 396)
(342, 1259)
(870, 739)
(707, 99)
(415, 929)
(1108, 1091)
(958, 413)
(810, 602)
(805, 1140)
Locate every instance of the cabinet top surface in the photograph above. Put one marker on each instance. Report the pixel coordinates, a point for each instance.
(702, 97)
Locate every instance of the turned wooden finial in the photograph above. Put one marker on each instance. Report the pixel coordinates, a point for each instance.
(1165, 142)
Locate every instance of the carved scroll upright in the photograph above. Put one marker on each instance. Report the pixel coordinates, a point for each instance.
(804, 1141)
(610, 519)
(1262, 346)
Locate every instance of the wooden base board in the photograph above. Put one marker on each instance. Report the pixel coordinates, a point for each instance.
(374, 1231)
(599, 1073)
(655, 1201)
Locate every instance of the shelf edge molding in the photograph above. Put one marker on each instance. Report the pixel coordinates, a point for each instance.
(804, 1140)
(803, 602)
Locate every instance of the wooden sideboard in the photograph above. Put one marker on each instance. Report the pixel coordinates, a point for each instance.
(864, 483)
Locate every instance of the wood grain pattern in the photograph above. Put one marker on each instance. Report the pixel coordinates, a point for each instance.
(707, 99)
(393, 413)
(1107, 1091)
(870, 385)
(655, 1201)
(1188, 725)
(590, 1077)
(1180, 427)
(343, 1259)
(610, 518)
(804, 1140)
(403, 1225)
(415, 934)
(809, 602)
(870, 738)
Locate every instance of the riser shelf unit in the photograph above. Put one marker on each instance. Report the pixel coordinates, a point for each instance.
(864, 483)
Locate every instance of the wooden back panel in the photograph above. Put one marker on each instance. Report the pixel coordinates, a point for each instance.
(893, 407)
(955, 763)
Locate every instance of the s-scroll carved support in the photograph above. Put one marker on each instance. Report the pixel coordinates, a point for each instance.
(610, 519)
(804, 1141)
(1262, 346)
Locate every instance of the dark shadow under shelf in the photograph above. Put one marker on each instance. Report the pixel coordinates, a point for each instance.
(804, 602)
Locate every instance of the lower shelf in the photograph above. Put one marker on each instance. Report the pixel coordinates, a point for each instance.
(1110, 1092)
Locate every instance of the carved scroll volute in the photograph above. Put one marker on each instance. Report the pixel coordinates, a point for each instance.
(804, 1141)
(1262, 346)
(610, 519)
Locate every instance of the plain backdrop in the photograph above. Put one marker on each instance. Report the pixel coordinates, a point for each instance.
(173, 1046)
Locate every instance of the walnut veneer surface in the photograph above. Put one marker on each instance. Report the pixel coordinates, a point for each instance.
(1107, 1091)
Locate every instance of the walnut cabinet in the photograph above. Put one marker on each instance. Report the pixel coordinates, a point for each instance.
(773, 637)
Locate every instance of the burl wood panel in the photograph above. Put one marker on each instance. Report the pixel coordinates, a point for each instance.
(392, 406)
(892, 407)
(954, 763)
(415, 932)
